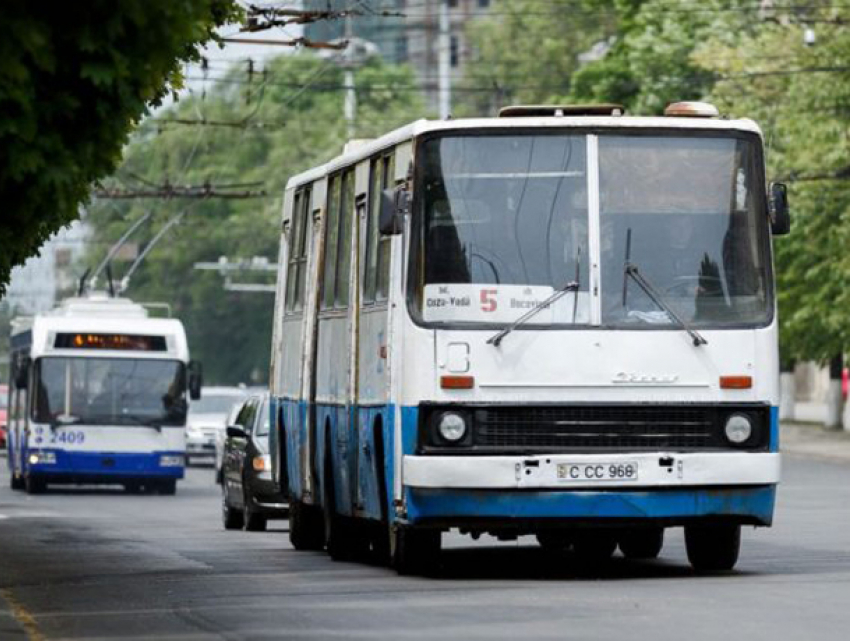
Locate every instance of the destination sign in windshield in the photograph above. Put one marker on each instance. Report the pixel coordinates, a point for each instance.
(131, 342)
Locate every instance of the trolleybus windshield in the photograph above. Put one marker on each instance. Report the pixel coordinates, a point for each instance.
(110, 391)
(503, 220)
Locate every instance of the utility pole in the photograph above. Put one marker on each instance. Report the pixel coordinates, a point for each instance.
(348, 81)
(444, 54)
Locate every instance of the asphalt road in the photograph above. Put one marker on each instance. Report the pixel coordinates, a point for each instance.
(92, 564)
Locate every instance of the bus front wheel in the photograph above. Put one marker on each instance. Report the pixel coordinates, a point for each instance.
(713, 548)
(16, 482)
(415, 551)
(34, 484)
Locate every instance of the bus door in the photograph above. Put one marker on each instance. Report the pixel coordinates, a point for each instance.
(372, 358)
(332, 367)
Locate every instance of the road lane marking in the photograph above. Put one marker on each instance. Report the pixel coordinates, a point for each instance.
(22, 615)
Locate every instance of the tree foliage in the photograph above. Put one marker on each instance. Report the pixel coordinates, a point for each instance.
(74, 78)
(293, 117)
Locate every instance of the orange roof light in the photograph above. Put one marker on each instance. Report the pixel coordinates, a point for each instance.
(457, 382)
(736, 382)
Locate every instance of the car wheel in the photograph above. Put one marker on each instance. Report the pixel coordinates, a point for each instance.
(232, 518)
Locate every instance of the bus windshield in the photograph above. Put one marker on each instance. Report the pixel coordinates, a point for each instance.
(503, 221)
(110, 391)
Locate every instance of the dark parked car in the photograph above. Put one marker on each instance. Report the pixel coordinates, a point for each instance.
(249, 496)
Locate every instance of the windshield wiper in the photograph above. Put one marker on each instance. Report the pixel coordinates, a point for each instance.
(497, 338)
(631, 270)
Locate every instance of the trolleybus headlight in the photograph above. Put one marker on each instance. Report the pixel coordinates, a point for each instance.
(452, 427)
(42, 458)
(171, 460)
(738, 429)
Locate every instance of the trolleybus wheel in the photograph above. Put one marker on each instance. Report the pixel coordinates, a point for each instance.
(16, 482)
(713, 548)
(230, 517)
(34, 484)
(343, 539)
(643, 543)
(305, 526)
(594, 546)
(415, 551)
(254, 521)
(553, 540)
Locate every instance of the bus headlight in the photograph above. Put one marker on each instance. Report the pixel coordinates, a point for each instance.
(171, 460)
(738, 429)
(42, 458)
(452, 427)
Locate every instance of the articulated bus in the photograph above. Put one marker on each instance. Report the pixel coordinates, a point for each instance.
(98, 394)
(559, 322)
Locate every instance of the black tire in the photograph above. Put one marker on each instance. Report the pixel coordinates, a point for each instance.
(16, 483)
(554, 540)
(644, 543)
(253, 520)
(594, 546)
(230, 517)
(34, 484)
(306, 531)
(344, 541)
(713, 548)
(415, 552)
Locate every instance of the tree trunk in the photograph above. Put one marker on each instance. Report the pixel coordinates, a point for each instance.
(834, 399)
(787, 393)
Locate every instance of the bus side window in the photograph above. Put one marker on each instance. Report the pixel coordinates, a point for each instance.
(383, 285)
(343, 275)
(297, 265)
(331, 239)
(371, 258)
(292, 265)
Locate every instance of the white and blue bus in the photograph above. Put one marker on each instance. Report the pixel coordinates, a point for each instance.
(560, 322)
(98, 394)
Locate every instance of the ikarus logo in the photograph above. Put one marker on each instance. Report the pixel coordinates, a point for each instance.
(633, 378)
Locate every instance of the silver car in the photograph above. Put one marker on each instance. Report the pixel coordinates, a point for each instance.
(207, 420)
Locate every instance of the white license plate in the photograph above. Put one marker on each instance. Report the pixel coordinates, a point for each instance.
(574, 472)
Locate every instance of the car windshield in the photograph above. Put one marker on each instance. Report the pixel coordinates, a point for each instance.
(110, 391)
(503, 221)
(211, 403)
(263, 421)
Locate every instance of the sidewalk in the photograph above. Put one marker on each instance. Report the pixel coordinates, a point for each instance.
(813, 440)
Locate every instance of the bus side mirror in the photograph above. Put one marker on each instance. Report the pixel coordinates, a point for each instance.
(22, 372)
(196, 380)
(780, 218)
(395, 203)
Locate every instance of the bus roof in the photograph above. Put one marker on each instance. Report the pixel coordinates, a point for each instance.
(100, 314)
(363, 150)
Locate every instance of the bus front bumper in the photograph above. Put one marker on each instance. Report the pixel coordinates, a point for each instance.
(58, 466)
(515, 491)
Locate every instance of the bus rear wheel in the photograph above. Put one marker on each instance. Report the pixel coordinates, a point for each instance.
(713, 548)
(644, 543)
(306, 531)
(415, 551)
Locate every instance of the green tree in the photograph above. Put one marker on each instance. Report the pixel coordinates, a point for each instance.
(293, 117)
(74, 78)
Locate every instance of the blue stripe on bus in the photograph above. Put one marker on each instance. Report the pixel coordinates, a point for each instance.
(108, 464)
(752, 502)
